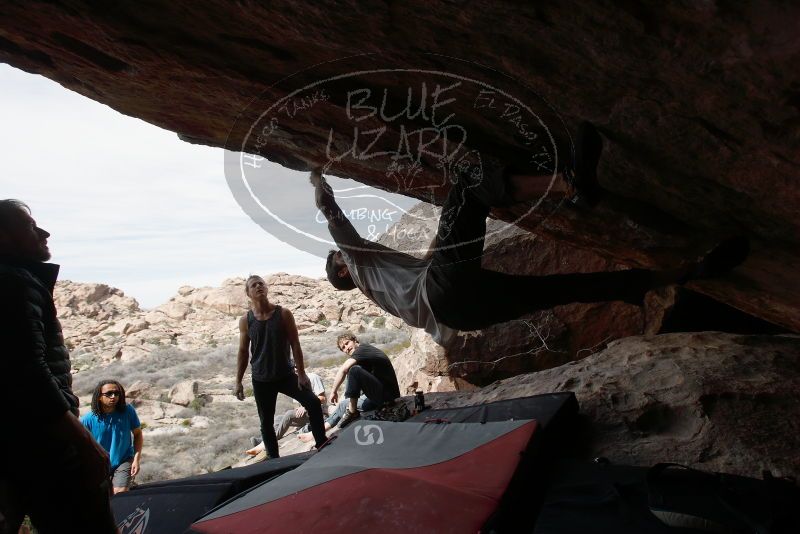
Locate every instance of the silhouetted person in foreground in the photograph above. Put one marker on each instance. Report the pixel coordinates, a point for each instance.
(51, 468)
(448, 290)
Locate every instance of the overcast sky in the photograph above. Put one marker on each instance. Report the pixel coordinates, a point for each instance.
(127, 203)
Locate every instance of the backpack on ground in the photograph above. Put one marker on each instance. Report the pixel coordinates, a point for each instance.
(396, 412)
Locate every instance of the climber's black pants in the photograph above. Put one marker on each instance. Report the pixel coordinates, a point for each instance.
(465, 296)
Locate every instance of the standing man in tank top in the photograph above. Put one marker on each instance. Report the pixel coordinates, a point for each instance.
(267, 334)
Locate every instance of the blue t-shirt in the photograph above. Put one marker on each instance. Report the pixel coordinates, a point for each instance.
(113, 432)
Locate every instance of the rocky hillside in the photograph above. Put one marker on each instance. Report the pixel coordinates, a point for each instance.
(102, 324)
(178, 360)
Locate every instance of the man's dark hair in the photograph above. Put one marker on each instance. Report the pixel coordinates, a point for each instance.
(349, 336)
(9, 209)
(96, 408)
(342, 284)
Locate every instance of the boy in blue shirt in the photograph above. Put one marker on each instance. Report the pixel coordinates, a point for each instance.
(112, 422)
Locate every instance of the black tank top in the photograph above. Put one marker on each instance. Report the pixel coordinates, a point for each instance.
(269, 347)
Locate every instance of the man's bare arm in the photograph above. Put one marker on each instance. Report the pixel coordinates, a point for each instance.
(342, 230)
(138, 442)
(340, 374)
(241, 358)
(297, 351)
(326, 202)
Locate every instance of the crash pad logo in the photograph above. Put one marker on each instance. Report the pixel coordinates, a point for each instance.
(136, 522)
(413, 131)
(368, 434)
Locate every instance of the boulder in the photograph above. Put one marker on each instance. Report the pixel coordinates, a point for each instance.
(312, 315)
(721, 402)
(332, 310)
(185, 291)
(200, 421)
(228, 299)
(174, 309)
(183, 392)
(153, 411)
(131, 327)
(138, 390)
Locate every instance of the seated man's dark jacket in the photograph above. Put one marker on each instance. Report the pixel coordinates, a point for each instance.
(35, 379)
(376, 362)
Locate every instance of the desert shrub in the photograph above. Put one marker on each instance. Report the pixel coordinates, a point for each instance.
(197, 404)
(196, 450)
(186, 413)
(396, 348)
(186, 422)
(324, 322)
(381, 338)
(379, 322)
(163, 368)
(331, 361)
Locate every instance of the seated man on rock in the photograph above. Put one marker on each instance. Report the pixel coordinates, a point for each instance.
(448, 290)
(369, 371)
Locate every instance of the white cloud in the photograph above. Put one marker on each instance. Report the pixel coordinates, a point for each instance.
(127, 203)
(131, 205)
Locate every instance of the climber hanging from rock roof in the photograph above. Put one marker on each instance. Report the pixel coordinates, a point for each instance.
(448, 290)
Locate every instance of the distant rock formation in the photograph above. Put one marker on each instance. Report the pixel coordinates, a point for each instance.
(101, 324)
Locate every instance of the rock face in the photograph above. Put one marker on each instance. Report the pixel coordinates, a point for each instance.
(553, 336)
(183, 392)
(533, 342)
(714, 401)
(698, 104)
